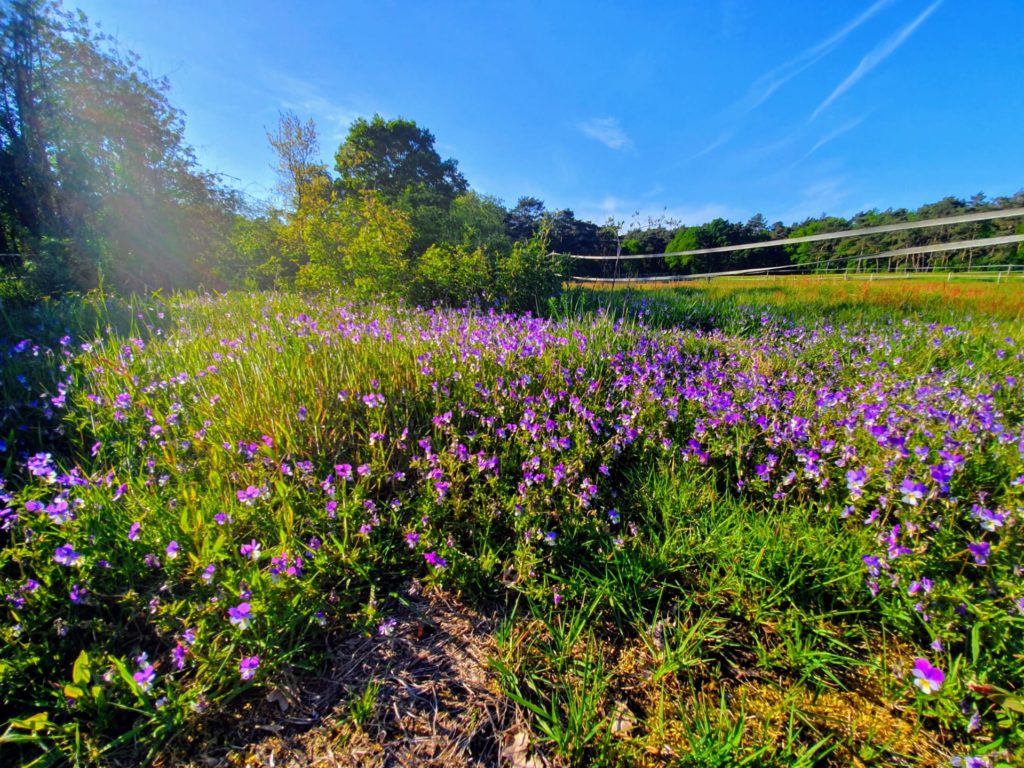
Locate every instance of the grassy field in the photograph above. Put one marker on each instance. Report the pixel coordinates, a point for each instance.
(807, 296)
(772, 523)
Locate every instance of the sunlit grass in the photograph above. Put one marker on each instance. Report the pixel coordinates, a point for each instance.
(697, 517)
(933, 297)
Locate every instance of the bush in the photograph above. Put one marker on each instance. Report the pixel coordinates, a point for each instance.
(453, 275)
(528, 277)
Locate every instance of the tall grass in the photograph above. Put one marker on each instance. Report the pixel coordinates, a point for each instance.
(690, 508)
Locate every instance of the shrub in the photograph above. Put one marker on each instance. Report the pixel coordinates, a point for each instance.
(453, 275)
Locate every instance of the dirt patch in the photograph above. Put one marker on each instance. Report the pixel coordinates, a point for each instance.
(419, 694)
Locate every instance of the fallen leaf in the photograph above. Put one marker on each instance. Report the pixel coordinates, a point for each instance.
(276, 696)
(515, 751)
(624, 720)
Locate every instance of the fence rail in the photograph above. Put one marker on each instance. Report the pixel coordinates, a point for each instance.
(1005, 213)
(844, 263)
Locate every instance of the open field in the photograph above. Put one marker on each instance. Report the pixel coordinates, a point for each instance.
(761, 523)
(964, 295)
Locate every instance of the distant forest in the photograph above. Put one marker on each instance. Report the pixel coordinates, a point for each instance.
(98, 187)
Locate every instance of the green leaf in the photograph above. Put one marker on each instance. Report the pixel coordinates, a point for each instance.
(73, 692)
(80, 673)
(35, 723)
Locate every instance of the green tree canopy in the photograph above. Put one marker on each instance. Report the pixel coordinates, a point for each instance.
(396, 158)
(523, 221)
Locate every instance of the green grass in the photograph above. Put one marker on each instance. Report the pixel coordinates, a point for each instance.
(666, 597)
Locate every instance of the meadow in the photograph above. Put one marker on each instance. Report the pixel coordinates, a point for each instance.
(736, 524)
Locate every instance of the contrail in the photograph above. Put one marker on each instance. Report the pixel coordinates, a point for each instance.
(876, 57)
(828, 137)
(770, 82)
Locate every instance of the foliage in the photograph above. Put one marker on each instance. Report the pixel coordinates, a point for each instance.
(523, 221)
(529, 276)
(300, 172)
(98, 183)
(453, 275)
(477, 221)
(396, 158)
(357, 242)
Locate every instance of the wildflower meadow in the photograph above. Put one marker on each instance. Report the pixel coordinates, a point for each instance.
(709, 531)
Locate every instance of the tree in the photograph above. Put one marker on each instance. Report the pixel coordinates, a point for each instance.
(567, 234)
(394, 158)
(477, 221)
(300, 172)
(806, 253)
(686, 239)
(358, 242)
(523, 221)
(97, 180)
(397, 160)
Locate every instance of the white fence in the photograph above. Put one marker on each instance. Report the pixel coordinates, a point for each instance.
(847, 265)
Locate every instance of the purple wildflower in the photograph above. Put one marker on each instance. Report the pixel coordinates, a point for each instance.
(133, 531)
(249, 495)
(40, 465)
(980, 551)
(250, 550)
(247, 667)
(435, 560)
(970, 762)
(66, 555)
(855, 479)
(926, 677)
(240, 615)
(146, 674)
(913, 492)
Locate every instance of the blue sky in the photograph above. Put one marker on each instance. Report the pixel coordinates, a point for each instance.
(694, 109)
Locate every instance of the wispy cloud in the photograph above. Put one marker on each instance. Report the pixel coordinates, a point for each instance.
(845, 128)
(876, 57)
(771, 81)
(607, 131)
(824, 194)
(712, 146)
(307, 100)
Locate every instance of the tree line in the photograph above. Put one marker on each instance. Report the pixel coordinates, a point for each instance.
(98, 187)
